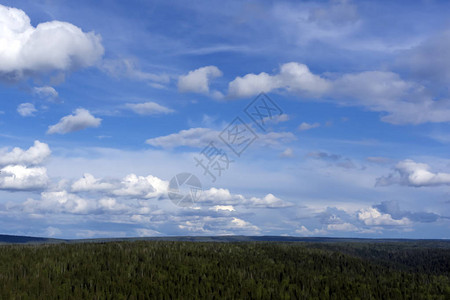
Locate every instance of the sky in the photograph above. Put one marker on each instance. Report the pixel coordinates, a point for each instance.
(299, 118)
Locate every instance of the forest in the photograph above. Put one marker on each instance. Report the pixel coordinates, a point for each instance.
(223, 270)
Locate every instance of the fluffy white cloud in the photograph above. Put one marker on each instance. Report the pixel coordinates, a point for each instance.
(141, 187)
(409, 172)
(50, 46)
(380, 91)
(373, 217)
(34, 155)
(148, 108)
(307, 126)
(224, 198)
(303, 231)
(268, 201)
(237, 223)
(26, 109)
(197, 81)
(293, 77)
(223, 208)
(81, 119)
(59, 201)
(88, 183)
(220, 225)
(20, 178)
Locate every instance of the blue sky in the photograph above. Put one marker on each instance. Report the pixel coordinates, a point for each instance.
(104, 102)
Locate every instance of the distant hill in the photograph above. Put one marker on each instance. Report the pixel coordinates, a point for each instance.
(15, 239)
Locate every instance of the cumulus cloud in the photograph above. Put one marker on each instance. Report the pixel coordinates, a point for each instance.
(304, 231)
(373, 217)
(59, 201)
(223, 197)
(141, 187)
(411, 173)
(293, 77)
(393, 208)
(268, 201)
(50, 46)
(148, 108)
(307, 126)
(34, 155)
(26, 109)
(200, 137)
(197, 81)
(88, 183)
(219, 225)
(22, 178)
(79, 120)
(19, 171)
(405, 102)
(223, 208)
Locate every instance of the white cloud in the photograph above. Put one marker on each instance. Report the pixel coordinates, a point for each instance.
(237, 223)
(201, 137)
(59, 201)
(276, 119)
(112, 205)
(223, 198)
(26, 109)
(404, 102)
(220, 225)
(49, 46)
(89, 184)
(142, 232)
(293, 77)
(45, 92)
(342, 227)
(372, 217)
(193, 137)
(408, 172)
(34, 155)
(223, 208)
(81, 119)
(306, 126)
(197, 81)
(141, 187)
(268, 201)
(303, 231)
(21, 178)
(149, 108)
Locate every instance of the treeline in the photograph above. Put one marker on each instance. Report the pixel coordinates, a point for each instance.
(184, 270)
